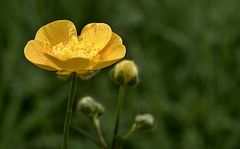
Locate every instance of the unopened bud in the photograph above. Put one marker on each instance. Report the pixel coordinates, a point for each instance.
(89, 107)
(144, 122)
(125, 73)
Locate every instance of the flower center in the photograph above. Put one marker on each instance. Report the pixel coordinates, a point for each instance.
(75, 48)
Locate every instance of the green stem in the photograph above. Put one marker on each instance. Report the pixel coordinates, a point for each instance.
(68, 116)
(119, 107)
(129, 133)
(96, 123)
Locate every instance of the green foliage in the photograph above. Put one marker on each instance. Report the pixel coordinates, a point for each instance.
(188, 53)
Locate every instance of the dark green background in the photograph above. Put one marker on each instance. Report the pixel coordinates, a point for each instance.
(188, 53)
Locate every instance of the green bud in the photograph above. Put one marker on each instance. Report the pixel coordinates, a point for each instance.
(89, 107)
(125, 73)
(144, 122)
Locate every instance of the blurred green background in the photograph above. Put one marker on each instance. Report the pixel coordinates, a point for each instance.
(188, 53)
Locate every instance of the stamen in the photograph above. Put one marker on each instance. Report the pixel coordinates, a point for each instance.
(75, 48)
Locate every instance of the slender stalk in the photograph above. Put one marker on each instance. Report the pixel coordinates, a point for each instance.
(68, 116)
(88, 135)
(129, 133)
(119, 107)
(96, 123)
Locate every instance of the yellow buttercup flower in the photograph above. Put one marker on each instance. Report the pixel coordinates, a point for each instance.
(57, 47)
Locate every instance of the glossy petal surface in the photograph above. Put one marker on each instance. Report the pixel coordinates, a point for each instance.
(55, 32)
(34, 52)
(94, 37)
(72, 64)
(113, 52)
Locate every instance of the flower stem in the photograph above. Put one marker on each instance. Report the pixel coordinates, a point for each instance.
(96, 123)
(119, 107)
(68, 116)
(129, 133)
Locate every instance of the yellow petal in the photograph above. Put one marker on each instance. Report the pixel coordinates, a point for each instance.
(71, 64)
(56, 32)
(95, 36)
(113, 52)
(33, 51)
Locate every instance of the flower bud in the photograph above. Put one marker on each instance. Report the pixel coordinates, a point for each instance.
(144, 122)
(125, 73)
(89, 107)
